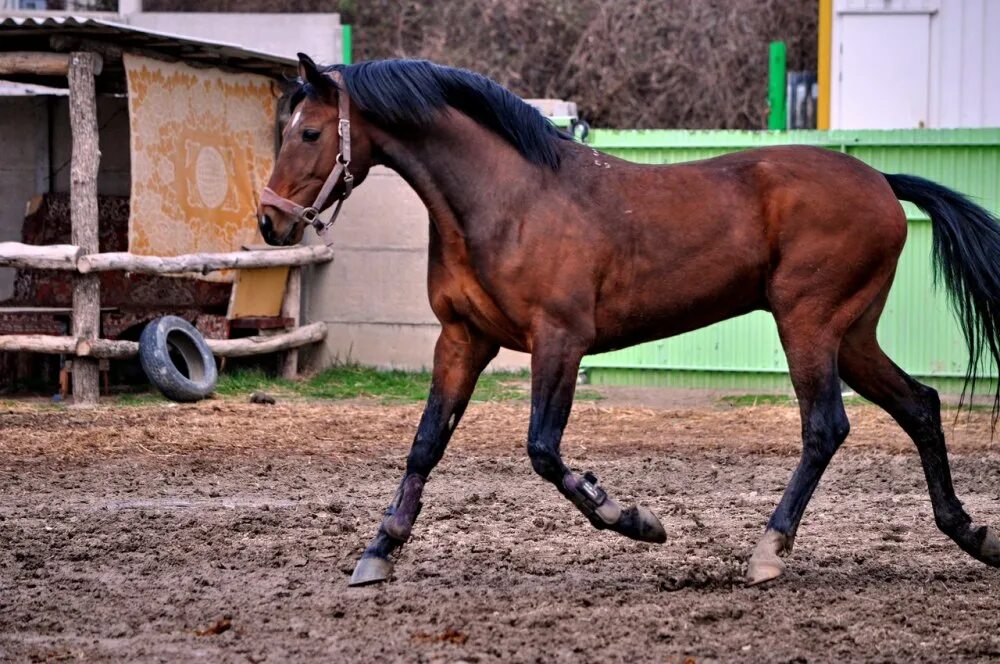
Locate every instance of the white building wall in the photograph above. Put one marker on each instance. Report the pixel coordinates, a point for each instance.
(318, 35)
(965, 68)
(373, 296)
(921, 63)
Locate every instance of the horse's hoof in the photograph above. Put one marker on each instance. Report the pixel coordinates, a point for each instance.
(763, 569)
(640, 524)
(370, 570)
(765, 565)
(989, 551)
(650, 528)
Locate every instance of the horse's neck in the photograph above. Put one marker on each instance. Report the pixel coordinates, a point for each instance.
(468, 177)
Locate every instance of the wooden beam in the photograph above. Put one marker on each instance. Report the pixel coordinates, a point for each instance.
(300, 336)
(106, 349)
(202, 263)
(85, 160)
(49, 257)
(290, 309)
(37, 343)
(110, 53)
(34, 63)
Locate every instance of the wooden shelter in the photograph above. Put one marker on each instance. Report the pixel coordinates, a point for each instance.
(85, 57)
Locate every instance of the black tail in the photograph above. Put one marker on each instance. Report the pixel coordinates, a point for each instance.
(967, 257)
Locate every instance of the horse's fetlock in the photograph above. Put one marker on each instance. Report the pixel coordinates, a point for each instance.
(591, 499)
(951, 522)
(545, 461)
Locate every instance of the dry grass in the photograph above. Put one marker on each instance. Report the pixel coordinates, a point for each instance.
(229, 427)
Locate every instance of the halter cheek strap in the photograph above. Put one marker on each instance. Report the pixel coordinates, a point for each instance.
(310, 214)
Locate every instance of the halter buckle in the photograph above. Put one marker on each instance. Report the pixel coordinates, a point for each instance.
(310, 215)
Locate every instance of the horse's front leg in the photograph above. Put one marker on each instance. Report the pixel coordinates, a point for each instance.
(460, 356)
(555, 362)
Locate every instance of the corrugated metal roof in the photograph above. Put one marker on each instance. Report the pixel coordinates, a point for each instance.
(128, 37)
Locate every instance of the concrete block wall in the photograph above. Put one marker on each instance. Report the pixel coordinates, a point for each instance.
(24, 168)
(373, 296)
(37, 149)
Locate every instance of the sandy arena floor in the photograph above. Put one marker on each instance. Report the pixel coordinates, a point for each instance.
(226, 532)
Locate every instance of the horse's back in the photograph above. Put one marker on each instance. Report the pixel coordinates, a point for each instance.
(708, 240)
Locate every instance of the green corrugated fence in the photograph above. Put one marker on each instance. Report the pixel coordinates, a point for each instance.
(917, 329)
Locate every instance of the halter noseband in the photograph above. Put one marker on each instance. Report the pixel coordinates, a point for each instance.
(310, 215)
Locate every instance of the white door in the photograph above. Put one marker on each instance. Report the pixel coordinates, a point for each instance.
(884, 80)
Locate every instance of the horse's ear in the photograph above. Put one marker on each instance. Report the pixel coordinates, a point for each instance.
(310, 73)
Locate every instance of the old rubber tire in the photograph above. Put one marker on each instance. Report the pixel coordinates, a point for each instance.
(177, 360)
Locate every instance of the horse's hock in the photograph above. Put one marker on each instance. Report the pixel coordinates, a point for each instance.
(379, 313)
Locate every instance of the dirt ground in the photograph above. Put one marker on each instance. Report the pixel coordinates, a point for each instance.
(226, 532)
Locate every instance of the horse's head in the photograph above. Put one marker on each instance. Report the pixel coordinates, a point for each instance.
(315, 167)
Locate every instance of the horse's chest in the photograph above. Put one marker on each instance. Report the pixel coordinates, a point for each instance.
(463, 296)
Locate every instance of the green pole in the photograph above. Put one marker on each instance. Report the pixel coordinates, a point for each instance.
(347, 42)
(777, 117)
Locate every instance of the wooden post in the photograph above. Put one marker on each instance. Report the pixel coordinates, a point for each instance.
(86, 158)
(290, 309)
(823, 63)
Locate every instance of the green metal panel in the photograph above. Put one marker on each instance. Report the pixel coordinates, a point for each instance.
(777, 112)
(347, 45)
(917, 330)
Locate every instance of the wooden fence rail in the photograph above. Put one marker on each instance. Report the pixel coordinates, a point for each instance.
(109, 349)
(201, 263)
(50, 257)
(72, 257)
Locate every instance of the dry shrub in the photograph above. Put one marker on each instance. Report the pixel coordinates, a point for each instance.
(643, 63)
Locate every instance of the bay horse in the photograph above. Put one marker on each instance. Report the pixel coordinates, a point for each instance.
(541, 244)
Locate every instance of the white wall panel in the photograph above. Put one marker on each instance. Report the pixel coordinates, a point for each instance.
(962, 87)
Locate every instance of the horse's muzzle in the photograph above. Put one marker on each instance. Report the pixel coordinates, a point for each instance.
(266, 227)
(269, 231)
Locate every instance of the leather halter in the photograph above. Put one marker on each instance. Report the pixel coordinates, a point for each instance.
(310, 215)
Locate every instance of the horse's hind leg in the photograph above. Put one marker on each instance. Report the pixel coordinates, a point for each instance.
(917, 409)
(459, 357)
(812, 363)
(555, 361)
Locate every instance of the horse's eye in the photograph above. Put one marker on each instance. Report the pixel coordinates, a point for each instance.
(310, 135)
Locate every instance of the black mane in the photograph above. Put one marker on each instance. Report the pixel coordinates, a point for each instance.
(410, 92)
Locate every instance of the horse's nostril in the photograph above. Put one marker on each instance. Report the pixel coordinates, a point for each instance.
(266, 227)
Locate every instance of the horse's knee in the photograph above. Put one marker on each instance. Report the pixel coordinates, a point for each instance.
(824, 434)
(840, 427)
(545, 460)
